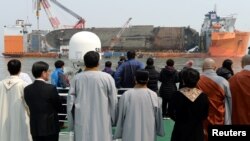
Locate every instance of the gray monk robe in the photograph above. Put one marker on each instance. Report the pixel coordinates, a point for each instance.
(95, 100)
(140, 117)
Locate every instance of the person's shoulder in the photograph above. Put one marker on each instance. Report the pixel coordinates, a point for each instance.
(107, 74)
(29, 86)
(203, 96)
(153, 94)
(23, 74)
(50, 85)
(128, 92)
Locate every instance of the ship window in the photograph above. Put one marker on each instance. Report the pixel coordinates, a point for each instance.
(21, 31)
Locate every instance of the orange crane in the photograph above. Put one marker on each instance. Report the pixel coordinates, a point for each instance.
(117, 37)
(55, 23)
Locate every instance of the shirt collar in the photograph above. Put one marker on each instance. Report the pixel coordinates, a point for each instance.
(40, 79)
(247, 67)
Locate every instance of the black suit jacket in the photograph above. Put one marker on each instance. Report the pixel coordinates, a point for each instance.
(44, 104)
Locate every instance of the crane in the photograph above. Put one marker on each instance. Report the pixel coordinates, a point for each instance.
(55, 23)
(81, 21)
(117, 37)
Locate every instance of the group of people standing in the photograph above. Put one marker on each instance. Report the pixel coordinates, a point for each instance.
(30, 111)
(213, 97)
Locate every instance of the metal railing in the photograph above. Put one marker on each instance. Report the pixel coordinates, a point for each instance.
(63, 93)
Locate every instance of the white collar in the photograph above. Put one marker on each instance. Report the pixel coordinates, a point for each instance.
(40, 79)
(247, 67)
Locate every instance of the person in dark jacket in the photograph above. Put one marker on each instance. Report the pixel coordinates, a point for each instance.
(125, 74)
(226, 70)
(189, 109)
(153, 75)
(168, 79)
(44, 105)
(108, 69)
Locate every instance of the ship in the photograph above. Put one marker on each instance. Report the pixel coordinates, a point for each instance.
(142, 38)
(19, 42)
(220, 38)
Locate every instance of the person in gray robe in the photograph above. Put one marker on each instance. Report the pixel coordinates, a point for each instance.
(140, 115)
(95, 101)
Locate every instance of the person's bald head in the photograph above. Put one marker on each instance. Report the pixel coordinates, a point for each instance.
(245, 60)
(209, 63)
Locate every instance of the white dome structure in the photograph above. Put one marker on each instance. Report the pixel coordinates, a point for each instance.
(81, 43)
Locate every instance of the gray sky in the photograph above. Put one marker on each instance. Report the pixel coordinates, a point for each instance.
(114, 13)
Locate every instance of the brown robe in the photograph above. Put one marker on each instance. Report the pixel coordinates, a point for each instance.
(240, 89)
(216, 96)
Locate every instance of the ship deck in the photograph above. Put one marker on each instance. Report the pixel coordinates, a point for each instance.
(65, 135)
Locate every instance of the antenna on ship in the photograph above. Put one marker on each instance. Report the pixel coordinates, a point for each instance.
(215, 8)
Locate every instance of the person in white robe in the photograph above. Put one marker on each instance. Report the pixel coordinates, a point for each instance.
(14, 117)
(25, 77)
(140, 114)
(95, 100)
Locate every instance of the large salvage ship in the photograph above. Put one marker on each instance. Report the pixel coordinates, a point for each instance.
(18, 42)
(220, 38)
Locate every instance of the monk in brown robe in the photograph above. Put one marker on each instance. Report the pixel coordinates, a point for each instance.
(240, 85)
(219, 95)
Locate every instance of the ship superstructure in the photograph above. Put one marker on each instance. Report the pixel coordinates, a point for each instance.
(220, 38)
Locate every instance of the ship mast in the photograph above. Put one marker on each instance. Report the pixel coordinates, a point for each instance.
(215, 8)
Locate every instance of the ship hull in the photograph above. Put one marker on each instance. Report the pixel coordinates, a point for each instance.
(29, 54)
(229, 44)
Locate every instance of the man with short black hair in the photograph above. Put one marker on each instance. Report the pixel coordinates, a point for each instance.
(14, 117)
(140, 117)
(57, 76)
(95, 99)
(44, 104)
(125, 73)
(108, 68)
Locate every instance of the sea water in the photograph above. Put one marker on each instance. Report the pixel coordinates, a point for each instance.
(27, 63)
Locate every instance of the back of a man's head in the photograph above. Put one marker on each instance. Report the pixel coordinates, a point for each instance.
(245, 61)
(150, 61)
(208, 63)
(170, 62)
(108, 64)
(142, 76)
(59, 64)
(38, 68)
(91, 59)
(190, 77)
(131, 54)
(14, 66)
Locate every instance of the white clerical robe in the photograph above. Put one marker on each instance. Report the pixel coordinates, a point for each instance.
(140, 116)
(95, 99)
(14, 119)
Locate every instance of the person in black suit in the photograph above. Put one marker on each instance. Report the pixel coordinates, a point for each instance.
(44, 104)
